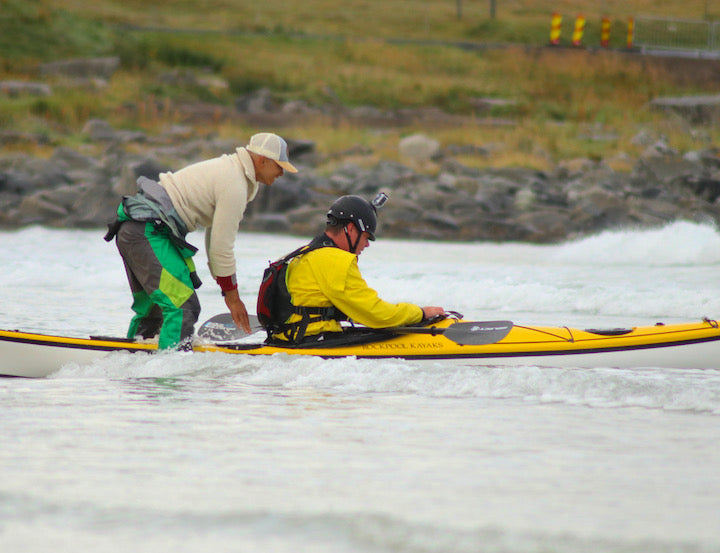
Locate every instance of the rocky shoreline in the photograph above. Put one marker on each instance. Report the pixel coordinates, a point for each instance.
(73, 190)
(81, 189)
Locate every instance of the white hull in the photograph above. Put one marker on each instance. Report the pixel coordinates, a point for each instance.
(705, 355)
(40, 360)
(33, 361)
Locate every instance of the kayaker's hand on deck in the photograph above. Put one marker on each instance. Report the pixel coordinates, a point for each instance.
(237, 310)
(430, 312)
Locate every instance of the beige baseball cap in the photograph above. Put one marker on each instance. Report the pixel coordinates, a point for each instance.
(272, 147)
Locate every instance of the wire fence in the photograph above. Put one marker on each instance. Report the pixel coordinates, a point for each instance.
(677, 34)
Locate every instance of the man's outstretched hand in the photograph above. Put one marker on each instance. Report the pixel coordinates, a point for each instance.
(237, 310)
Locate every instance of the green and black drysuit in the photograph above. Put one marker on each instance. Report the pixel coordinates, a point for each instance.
(150, 236)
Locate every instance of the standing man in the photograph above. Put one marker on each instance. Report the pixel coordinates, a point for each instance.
(151, 228)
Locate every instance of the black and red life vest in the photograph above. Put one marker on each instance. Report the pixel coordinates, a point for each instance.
(274, 304)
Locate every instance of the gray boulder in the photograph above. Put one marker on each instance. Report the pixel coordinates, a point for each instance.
(81, 67)
(13, 89)
(418, 148)
(703, 110)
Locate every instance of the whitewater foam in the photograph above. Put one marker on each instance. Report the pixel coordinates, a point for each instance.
(679, 243)
(664, 389)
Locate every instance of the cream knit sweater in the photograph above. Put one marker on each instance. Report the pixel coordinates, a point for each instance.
(213, 194)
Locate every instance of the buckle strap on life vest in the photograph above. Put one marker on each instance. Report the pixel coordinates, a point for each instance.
(326, 313)
(295, 332)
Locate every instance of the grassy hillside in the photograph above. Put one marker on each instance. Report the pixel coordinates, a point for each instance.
(389, 54)
(515, 20)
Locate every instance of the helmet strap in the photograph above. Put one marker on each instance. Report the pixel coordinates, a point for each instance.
(352, 247)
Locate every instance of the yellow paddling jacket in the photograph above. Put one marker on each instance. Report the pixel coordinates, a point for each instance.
(330, 276)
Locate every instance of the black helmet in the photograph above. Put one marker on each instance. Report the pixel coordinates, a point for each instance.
(356, 210)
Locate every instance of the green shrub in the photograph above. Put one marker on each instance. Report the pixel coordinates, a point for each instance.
(176, 55)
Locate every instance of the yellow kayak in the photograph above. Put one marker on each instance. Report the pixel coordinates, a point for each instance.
(483, 343)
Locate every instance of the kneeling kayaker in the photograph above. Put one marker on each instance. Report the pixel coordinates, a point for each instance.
(325, 285)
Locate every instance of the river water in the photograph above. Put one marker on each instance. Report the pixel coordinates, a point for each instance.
(186, 453)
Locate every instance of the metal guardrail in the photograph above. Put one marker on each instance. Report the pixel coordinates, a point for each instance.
(677, 34)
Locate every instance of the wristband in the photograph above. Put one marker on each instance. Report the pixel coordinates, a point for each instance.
(227, 283)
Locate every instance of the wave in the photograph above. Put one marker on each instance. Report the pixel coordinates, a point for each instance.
(619, 278)
(607, 388)
(279, 531)
(679, 243)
